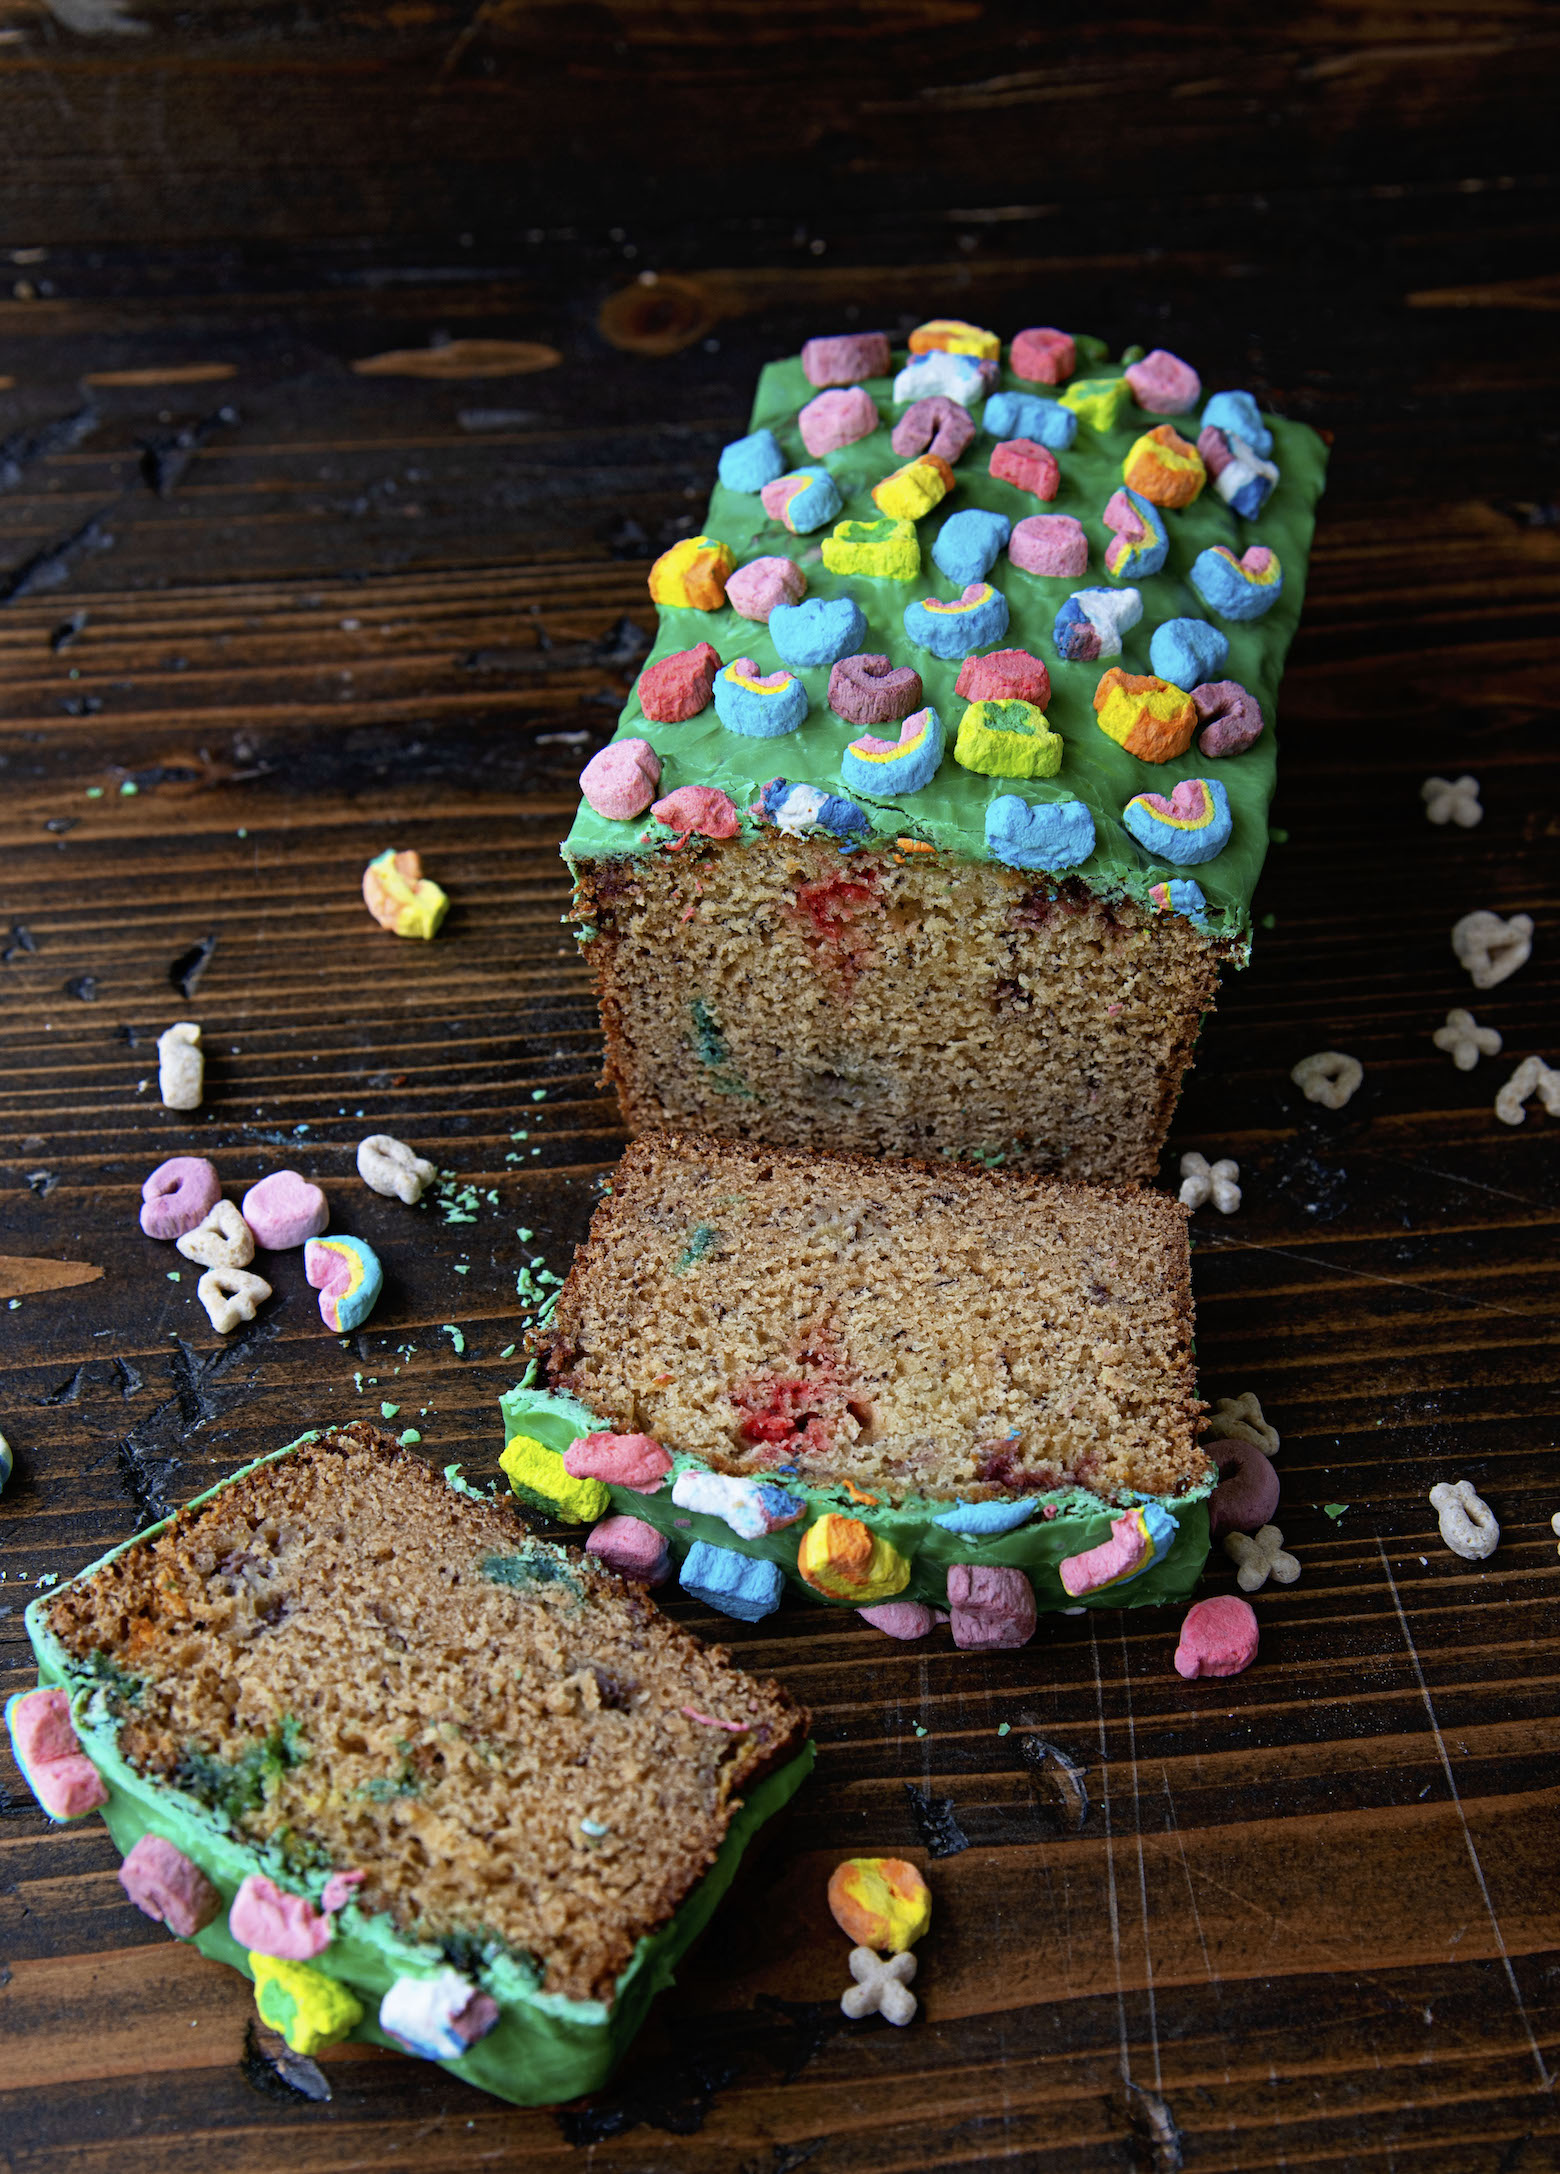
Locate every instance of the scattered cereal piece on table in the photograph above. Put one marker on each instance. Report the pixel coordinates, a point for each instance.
(346, 1273)
(1465, 1041)
(877, 550)
(181, 1069)
(679, 687)
(819, 631)
(937, 425)
(1051, 835)
(803, 500)
(180, 1193)
(1218, 1638)
(1467, 1523)
(747, 464)
(698, 810)
(1091, 622)
(1454, 800)
(889, 768)
(872, 690)
(1008, 740)
(1239, 1418)
(1238, 588)
(759, 705)
(1489, 949)
(748, 1587)
(899, 1618)
(991, 1606)
(954, 336)
(1004, 675)
(620, 780)
(55, 1768)
(1163, 468)
(969, 543)
(1188, 652)
(1150, 719)
(881, 1988)
(1202, 1181)
(1554, 1522)
(230, 1296)
(1050, 543)
(753, 591)
(1043, 355)
(389, 1167)
(223, 1240)
(1231, 718)
(880, 1902)
(169, 1887)
(1247, 1493)
(7, 1463)
(833, 420)
(846, 358)
(843, 1558)
(631, 1547)
(693, 574)
(1259, 1556)
(1162, 384)
(1532, 1077)
(401, 898)
(1140, 542)
(285, 1209)
(310, 2009)
(1328, 1077)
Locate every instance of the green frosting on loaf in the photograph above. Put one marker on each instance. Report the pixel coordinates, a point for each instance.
(545, 2048)
(950, 812)
(1078, 1520)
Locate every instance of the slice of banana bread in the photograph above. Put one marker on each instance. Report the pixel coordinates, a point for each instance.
(936, 1355)
(453, 1755)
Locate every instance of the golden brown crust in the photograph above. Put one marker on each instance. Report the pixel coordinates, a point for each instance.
(460, 1696)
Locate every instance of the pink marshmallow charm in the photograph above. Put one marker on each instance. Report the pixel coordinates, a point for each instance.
(1121, 1556)
(1163, 384)
(54, 1767)
(179, 1194)
(846, 358)
(990, 1605)
(899, 1618)
(632, 1548)
(755, 589)
(1004, 675)
(264, 1917)
(1049, 543)
(701, 808)
(282, 1211)
(1231, 718)
(1246, 1497)
(168, 1887)
(618, 1460)
(339, 1890)
(836, 419)
(1218, 1638)
(620, 781)
(1043, 356)
(1027, 466)
(677, 688)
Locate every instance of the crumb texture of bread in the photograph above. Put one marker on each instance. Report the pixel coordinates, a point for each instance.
(906, 1328)
(893, 1004)
(371, 1672)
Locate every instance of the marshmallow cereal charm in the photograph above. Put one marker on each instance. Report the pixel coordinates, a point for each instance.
(224, 1240)
(880, 1988)
(390, 1167)
(1218, 1638)
(1329, 1077)
(284, 1209)
(758, 705)
(1140, 542)
(346, 1273)
(834, 420)
(880, 1902)
(1193, 824)
(230, 1295)
(401, 898)
(1238, 588)
(1489, 949)
(181, 1069)
(1201, 1182)
(1091, 622)
(1150, 719)
(1467, 1524)
(1532, 1077)
(1163, 384)
(621, 780)
(1454, 800)
(693, 573)
(179, 1194)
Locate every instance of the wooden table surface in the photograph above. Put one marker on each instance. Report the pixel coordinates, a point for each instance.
(285, 579)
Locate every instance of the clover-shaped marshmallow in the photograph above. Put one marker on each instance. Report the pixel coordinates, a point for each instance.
(1202, 1181)
(1532, 1077)
(1328, 1077)
(1259, 1556)
(1492, 949)
(1465, 1041)
(1452, 800)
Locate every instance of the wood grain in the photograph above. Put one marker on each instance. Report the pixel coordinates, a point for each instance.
(259, 625)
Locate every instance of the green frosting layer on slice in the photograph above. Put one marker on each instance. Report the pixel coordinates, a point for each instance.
(544, 2048)
(1065, 1521)
(950, 812)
